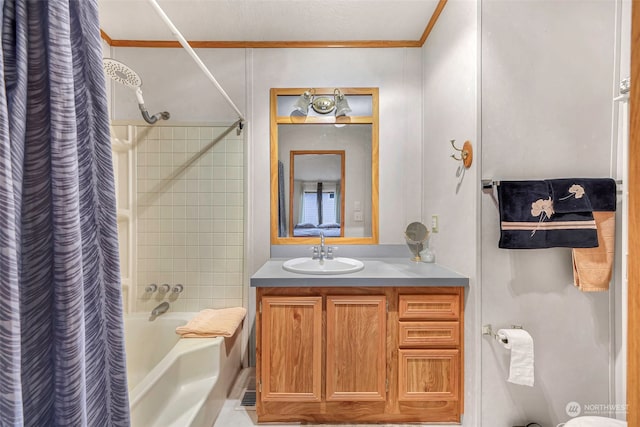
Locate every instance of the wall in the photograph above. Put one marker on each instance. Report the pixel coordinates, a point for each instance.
(451, 111)
(355, 141)
(172, 82)
(546, 112)
(190, 216)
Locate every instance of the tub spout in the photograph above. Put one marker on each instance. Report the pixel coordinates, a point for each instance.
(162, 308)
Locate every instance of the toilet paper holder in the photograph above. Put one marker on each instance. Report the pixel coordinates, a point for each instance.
(488, 330)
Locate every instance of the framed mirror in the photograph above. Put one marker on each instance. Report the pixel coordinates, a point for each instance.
(324, 169)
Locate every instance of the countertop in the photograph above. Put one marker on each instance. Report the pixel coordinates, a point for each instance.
(376, 272)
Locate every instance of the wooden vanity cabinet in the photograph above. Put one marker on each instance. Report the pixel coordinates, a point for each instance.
(353, 354)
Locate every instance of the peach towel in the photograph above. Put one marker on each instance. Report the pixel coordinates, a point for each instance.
(213, 323)
(592, 266)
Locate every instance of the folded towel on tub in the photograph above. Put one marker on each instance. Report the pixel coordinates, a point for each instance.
(213, 323)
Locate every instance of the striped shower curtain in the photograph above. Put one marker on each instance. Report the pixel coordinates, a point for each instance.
(61, 337)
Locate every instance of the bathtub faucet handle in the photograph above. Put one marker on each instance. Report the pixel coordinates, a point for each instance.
(177, 289)
(151, 288)
(165, 288)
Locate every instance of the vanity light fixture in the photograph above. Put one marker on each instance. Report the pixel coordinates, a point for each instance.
(322, 104)
(342, 106)
(302, 104)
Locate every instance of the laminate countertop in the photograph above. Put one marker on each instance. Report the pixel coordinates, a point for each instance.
(376, 272)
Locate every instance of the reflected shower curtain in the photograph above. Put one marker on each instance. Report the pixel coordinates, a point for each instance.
(61, 339)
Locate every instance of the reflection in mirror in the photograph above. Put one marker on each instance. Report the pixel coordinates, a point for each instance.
(337, 160)
(316, 189)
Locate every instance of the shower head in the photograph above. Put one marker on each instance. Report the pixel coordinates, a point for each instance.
(121, 73)
(124, 75)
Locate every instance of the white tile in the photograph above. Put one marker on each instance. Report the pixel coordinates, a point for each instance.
(234, 186)
(166, 132)
(219, 173)
(193, 133)
(219, 199)
(235, 159)
(234, 199)
(219, 226)
(206, 279)
(218, 292)
(219, 212)
(233, 172)
(234, 252)
(219, 252)
(233, 292)
(205, 226)
(206, 133)
(219, 186)
(166, 159)
(205, 253)
(205, 292)
(234, 266)
(179, 132)
(219, 160)
(235, 239)
(234, 226)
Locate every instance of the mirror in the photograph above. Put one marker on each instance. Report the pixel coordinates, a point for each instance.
(316, 189)
(416, 236)
(324, 170)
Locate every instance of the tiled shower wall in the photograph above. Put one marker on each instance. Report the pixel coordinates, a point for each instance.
(189, 215)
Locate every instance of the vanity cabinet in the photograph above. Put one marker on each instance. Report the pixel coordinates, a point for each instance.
(355, 354)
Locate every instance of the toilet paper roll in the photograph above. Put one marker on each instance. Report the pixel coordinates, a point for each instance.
(520, 343)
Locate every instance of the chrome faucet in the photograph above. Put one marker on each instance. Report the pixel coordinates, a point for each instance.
(160, 309)
(322, 252)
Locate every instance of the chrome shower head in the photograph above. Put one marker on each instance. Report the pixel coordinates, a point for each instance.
(124, 75)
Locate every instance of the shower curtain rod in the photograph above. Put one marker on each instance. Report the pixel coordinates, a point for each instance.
(196, 58)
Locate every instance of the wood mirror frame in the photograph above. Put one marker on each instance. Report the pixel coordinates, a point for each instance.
(276, 119)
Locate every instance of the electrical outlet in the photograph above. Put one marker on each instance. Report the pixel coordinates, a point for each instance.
(434, 223)
(357, 216)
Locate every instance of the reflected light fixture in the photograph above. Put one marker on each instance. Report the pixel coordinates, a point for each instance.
(321, 104)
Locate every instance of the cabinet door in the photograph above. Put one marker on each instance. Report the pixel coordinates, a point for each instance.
(356, 348)
(291, 367)
(429, 375)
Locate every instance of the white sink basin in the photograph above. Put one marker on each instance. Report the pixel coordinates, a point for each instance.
(328, 266)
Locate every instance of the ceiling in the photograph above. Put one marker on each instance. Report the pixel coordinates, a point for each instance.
(397, 22)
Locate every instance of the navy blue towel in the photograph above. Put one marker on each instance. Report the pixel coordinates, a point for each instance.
(553, 213)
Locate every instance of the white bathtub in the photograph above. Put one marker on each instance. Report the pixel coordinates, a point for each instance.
(176, 382)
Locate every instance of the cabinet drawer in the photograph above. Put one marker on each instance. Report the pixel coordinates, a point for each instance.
(429, 307)
(429, 334)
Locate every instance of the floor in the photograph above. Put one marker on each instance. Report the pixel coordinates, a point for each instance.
(234, 415)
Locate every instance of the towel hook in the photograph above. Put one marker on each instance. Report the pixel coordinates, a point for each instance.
(466, 153)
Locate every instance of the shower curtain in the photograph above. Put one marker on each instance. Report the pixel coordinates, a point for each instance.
(61, 337)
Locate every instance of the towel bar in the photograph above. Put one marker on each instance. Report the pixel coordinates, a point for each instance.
(489, 184)
(488, 330)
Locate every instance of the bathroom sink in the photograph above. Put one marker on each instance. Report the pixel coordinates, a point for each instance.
(308, 265)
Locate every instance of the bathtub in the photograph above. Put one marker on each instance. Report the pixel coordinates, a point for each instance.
(173, 381)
